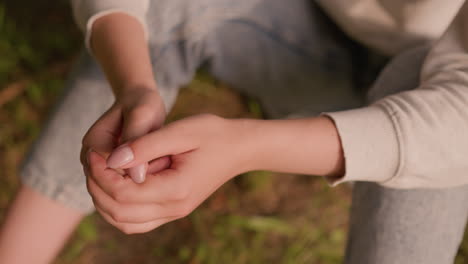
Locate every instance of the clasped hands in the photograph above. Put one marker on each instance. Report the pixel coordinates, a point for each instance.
(141, 174)
(174, 167)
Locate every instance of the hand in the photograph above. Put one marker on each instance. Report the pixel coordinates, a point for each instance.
(134, 113)
(206, 152)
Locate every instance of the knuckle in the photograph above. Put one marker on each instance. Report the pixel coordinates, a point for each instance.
(88, 137)
(138, 117)
(85, 139)
(140, 114)
(126, 229)
(118, 216)
(208, 117)
(141, 110)
(91, 188)
(130, 229)
(94, 199)
(143, 230)
(184, 210)
(83, 161)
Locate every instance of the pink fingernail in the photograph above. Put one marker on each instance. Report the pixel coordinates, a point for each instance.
(138, 173)
(121, 156)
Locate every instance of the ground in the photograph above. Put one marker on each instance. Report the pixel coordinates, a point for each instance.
(259, 217)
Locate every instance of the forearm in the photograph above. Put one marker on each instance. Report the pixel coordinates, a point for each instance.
(119, 45)
(304, 146)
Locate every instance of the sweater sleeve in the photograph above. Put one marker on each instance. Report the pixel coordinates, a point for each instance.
(86, 12)
(416, 138)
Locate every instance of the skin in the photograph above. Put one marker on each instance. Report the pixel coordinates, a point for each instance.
(206, 151)
(119, 45)
(35, 228)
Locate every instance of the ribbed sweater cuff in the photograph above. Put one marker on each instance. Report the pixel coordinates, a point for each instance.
(370, 144)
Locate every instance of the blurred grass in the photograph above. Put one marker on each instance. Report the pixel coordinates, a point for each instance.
(34, 58)
(259, 217)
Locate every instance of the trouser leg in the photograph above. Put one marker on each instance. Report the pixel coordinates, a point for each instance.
(286, 53)
(53, 166)
(391, 226)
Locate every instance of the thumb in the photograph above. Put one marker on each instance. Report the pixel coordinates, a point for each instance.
(102, 135)
(163, 142)
(136, 124)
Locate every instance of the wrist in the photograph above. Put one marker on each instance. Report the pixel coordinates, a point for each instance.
(132, 88)
(144, 101)
(251, 144)
(303, 146)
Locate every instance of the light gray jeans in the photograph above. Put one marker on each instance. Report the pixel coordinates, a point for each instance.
(297, 63)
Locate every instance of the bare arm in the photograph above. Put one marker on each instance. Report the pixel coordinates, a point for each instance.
(119, 45)
(206, 151)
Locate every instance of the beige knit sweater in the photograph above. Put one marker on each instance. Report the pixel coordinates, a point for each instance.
(417, 138)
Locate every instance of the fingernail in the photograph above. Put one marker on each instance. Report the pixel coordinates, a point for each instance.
(138, 173)
(119, 157)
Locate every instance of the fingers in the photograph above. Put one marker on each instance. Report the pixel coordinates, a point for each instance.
(159, 165)
(103, 135)
(137, 122)
(138, 173)
(132, 228)
(129, 213)
(119, 208)
(166, 186)
(169, 140)
(109, 180)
